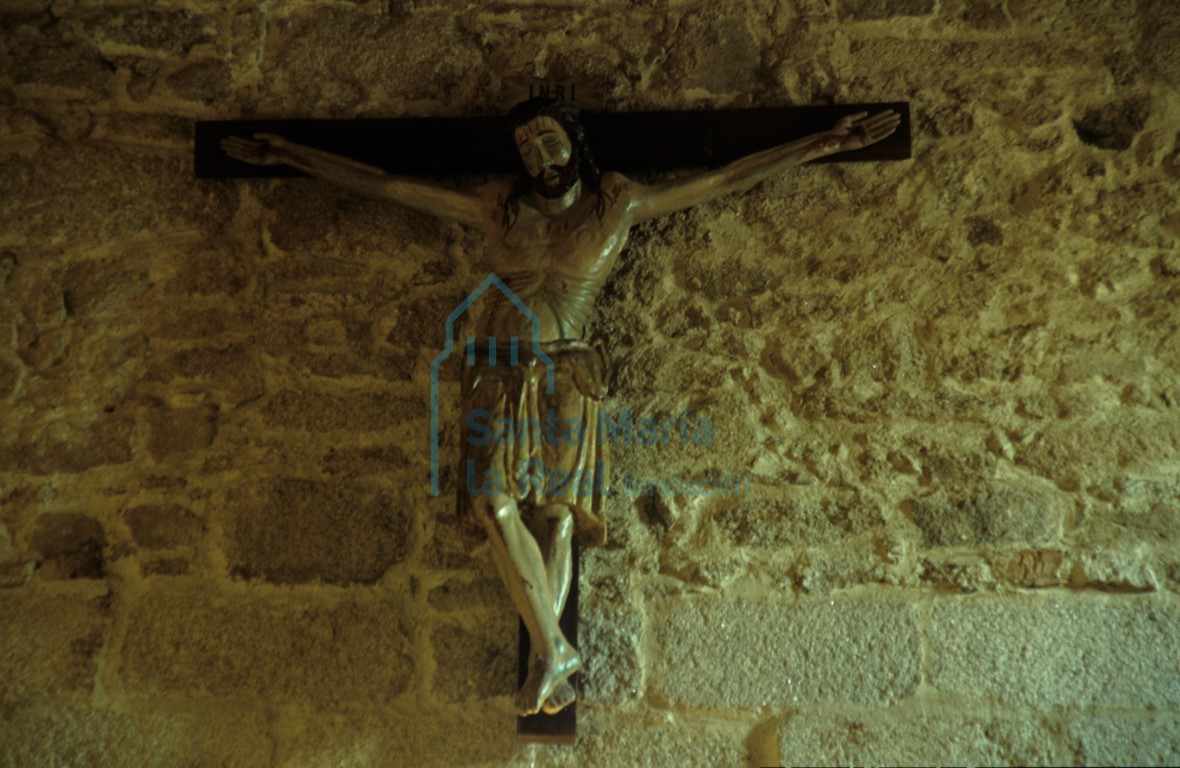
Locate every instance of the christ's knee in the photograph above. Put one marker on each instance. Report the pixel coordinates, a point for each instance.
(499, 511)
(561, 522)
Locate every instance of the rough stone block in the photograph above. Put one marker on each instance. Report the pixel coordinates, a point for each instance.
(1063, 650)
(805, 516)
(10, 376)
(610, 637)
(373, 460)
(478, 663)
(909, 737)
(364, 412)
(1161, 33)
(859, 561)
(1072, 454)
(15, 574)
(720, 54)
(1111, 569)
(48, 646)
(421, 322)
(98, 286)
(340, 56)
(449, 542)
(137, 192)
(163, 526)
(484, 591)
(217, 266)
(231, 374)
(331, 236)
(7, 550)
(991, 513)
(210, 82)
(176, 433)
(70, 546)
(193, 642)
(289, 530)
(981, 14)
(170, 31)
(70, 446)
(1146, 507)
(145, 735)
(872, 10)
(720, 652)
(1126, 738)
(40, 60)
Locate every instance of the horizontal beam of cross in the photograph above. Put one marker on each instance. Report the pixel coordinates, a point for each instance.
(620, 141)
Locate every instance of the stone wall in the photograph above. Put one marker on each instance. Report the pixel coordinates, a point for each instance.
(951, 385)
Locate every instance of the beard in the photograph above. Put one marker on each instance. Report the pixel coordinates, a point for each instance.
(566, 179)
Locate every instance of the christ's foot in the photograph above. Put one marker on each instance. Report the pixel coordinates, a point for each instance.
(547, 674)
(563, 695)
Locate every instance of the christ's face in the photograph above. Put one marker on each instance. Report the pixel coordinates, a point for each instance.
(547, 154)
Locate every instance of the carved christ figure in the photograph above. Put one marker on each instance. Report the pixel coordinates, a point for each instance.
(553, 235)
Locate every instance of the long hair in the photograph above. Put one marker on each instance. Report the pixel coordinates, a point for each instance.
(566, 116)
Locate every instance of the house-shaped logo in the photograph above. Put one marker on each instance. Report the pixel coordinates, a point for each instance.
(491, 358)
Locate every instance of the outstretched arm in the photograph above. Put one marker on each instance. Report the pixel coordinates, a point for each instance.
(850, 132)
(463, 206)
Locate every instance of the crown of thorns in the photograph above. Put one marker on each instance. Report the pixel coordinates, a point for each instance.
(564, 113)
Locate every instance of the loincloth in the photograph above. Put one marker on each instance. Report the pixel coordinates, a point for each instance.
(535, 447)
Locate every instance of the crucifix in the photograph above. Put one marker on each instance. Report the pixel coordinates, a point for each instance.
(554, 231)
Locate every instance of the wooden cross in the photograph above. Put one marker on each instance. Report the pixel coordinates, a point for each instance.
(620, 141)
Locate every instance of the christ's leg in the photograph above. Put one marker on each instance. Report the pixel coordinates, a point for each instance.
(521, 567)
(555, 531)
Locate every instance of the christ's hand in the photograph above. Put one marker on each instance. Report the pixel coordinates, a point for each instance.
(859, 130)
(256, 152)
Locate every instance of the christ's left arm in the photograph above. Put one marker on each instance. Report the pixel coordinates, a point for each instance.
(850, 132)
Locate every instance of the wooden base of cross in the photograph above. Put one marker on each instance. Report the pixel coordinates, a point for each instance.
(560, 728)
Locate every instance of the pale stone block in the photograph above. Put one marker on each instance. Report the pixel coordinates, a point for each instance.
(416, 734)
(1057, 650)
(914, 737)
(610, 637)
(193, 642)
(48, 646)
(607, 738)
(145, 735)
(719, 652)
(1126, 738)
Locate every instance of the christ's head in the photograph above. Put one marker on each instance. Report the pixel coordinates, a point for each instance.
(548, 156)
(552, 147)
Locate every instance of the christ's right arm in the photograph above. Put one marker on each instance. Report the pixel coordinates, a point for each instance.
(464, 206)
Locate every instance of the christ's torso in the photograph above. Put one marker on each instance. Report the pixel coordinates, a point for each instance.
(557, 264)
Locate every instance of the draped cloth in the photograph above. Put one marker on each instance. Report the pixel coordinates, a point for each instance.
(535, 447)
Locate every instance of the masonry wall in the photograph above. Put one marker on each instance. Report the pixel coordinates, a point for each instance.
(951, 385)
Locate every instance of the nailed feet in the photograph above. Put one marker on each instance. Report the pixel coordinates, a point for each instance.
(546, 685)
